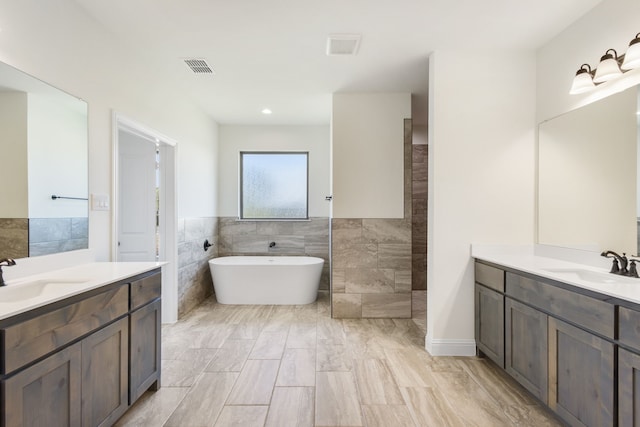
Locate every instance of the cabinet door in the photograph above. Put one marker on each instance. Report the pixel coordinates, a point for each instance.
(490, 323)
(526, 347)
(145, 350)
(104, 375)
(46, 394)
(581, 366)
(628, 388)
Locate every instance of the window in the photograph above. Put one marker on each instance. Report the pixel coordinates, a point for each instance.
(274, 185)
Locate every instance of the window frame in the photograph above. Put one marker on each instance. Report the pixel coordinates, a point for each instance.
(241, 186)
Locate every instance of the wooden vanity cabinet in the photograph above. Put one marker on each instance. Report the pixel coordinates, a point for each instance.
(629, 367)
(145, 327)
(560, 344)
(69, 363)
(105, 366)
(489, 312)
(526, 347)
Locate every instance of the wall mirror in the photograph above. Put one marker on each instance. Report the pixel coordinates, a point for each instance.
(43, 167)
(588, 176)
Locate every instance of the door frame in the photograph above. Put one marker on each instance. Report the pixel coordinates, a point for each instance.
(168, 228)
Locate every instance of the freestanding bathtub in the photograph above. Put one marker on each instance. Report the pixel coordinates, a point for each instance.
(277, 280)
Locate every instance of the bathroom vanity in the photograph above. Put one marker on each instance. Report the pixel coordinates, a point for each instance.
(78, 351)
(569, 333)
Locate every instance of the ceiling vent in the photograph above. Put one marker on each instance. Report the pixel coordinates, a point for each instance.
(198, 66)
(343, 44)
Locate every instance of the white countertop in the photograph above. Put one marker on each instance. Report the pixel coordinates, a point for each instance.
(27, 293)
(584, 270)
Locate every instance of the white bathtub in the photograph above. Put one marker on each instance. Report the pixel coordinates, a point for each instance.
(279, 280)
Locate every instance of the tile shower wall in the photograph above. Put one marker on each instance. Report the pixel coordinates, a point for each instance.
(419, 217)
(53, 235)
(14, 237)
(291, 237)
(194, 278)
(372, 261)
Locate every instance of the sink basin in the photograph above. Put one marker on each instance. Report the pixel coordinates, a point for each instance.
(29, 290)
(593, 276)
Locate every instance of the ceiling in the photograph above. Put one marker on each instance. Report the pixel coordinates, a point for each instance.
(271, 53)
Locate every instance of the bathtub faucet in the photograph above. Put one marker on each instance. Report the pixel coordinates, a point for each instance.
(272, 244)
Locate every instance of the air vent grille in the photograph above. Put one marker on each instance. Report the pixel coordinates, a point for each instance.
(198, 66)
(343, 44)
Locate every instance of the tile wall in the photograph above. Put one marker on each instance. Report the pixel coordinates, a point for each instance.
(419, 217)
(53, 235)
(372, 259)
(14, 237)
(194, 277)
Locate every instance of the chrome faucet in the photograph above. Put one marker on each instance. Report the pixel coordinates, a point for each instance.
(5, 262)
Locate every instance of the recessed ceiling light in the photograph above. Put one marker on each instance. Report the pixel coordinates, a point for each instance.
(267, 111)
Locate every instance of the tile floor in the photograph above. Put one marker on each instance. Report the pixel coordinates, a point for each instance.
(295, 366)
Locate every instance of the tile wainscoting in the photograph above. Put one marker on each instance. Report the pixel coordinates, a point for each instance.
(14, 237)
(194, 277)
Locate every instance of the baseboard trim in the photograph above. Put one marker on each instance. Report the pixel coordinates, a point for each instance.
(445, 347)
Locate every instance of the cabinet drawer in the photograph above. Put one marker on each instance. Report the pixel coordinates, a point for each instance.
(490, 277)
(629, 331)
(590, 313)
(145, 290)
(29, 340)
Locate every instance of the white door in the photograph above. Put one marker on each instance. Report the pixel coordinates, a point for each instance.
(137, 209)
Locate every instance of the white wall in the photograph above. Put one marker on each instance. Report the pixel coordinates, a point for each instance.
(58, 159)
(481, 177)
(13, 160)
(58, 43)
(236, 138)
(368, 155)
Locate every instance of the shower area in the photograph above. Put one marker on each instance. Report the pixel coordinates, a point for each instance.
(419, 187)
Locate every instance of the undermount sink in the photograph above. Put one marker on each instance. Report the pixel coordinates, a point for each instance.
(592, 276)
(25, 291)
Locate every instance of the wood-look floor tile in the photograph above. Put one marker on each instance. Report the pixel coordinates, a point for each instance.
(211, 337)
(337, 402)
(242, 416)
(302, 335)
(387, 415)
(376, 384)
(298, 368)
(269, 345)
(183, 372)
(231, 357)
(497, 383)
(473, 404)
(429, 408)
(409, 369)
(291, 407)
(332, 357)
(531, 416)
(153, 408)
(255, 383)
(204, 402)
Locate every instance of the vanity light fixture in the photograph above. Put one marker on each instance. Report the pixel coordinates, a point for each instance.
(611, 66)
(608, 68)
(632, 57)
(583, 81)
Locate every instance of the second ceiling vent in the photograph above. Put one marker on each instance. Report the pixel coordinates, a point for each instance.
(343, 44)
(198, 66)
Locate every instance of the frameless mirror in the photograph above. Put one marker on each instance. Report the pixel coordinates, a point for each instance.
(588, 176)
(43, 167)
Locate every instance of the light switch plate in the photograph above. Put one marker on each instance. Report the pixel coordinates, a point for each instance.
(100, 202)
